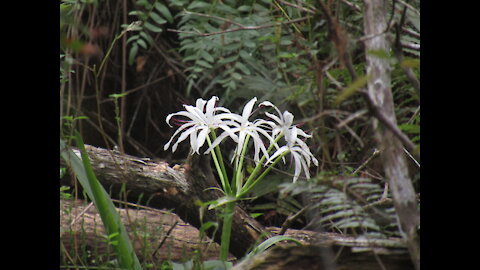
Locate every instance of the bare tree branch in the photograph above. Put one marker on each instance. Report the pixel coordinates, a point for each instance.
(242, 28)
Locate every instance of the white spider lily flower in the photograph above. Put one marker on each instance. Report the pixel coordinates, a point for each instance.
(285, 122)
(244, 127)
(300, 153)
(297, 147)
(203, 118)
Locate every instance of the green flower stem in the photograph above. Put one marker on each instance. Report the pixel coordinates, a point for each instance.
(226, 230)
(247, 188)
(218, 160)
(238, 166)
(258, 167)
(219, 154)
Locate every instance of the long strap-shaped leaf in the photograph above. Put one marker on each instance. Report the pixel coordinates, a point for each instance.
(127, 258)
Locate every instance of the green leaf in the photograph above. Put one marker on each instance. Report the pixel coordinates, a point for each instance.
(153, 28)
(409, 128)
(132, 38)
(221, 201)
(117, 95)
(156, 18)
(228, 59)
(140, 14)
(108, 213)
(244, 8)
(62, 172)
(208, 57)
(249, 44)
(164, 11)
(410, 63)
(142, 43)
(146, 37)
(287, 55)
(255, 215)
(351, 89)
(232, 46)
(270, 242)
(236, 76)
(243, 68)
(203, 64)
(217, 265)
(207, 225)
(198, 5)
(132, 54)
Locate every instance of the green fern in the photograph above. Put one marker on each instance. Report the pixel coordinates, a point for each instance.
(351, 205)
(153, 17)
(233, 59)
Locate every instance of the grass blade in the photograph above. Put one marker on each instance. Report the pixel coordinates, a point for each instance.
(127, 258)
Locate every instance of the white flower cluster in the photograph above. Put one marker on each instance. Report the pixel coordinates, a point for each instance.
(205, 117)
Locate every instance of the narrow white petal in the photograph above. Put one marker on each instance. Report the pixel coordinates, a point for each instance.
(181, 113)
(266, 103)
(196, 115)
(211, 105)
(193, 140)
(302, 133)
(189, 124)
(287, 118)
(277, 153)
(247, 110)
(182, 137)
(200, 104)
(305, 168)
(202, 135)
(274, 117)
(298, 167)
(217, 141)
(227, 131)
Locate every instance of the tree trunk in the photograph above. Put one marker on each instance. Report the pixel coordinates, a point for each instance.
(393, 157)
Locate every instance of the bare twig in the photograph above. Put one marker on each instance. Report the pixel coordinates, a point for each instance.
(213, 17)
(409, 7)
(351, 5)
(410, 156)
(81, 213)
(364, 164)
(242, 28)
(165, 238)
(311, 11)
(291, 219)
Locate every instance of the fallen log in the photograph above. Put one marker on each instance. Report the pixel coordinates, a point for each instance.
(159, 235)
(157, 185)
(179, 188)
(156, 235)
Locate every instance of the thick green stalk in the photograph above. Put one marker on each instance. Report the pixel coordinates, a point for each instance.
(238, 167)
(226, 230)
(258, 167)
(219, 154)
(248, 187)
(222, 174)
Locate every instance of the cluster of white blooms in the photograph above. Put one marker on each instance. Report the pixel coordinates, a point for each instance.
(205, 117)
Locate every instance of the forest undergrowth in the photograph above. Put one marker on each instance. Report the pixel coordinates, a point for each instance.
(126, 65)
